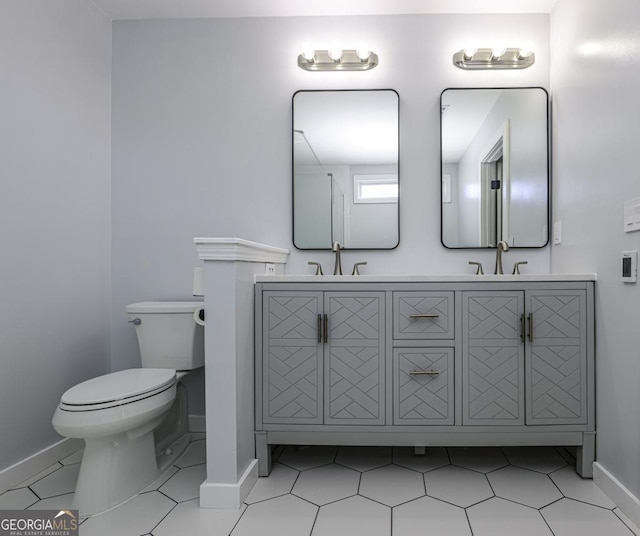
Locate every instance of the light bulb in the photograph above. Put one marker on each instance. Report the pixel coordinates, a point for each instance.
(498, 51)
(308, 53)
(525, 51)
(335, 53)
(469, 52)
(363, 52)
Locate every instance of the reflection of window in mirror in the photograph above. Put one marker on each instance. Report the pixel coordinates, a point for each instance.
(381, 188)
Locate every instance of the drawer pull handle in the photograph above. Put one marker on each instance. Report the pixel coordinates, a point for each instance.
(319, 328)
(427, 315)
(326, 328)
(424, 372)
(530, 327)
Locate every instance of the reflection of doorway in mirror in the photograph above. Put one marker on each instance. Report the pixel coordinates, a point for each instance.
(495, 188)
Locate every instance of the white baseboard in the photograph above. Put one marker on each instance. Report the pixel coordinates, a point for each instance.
(197, 423)
(230, 496)
(25, 469)
(620, 495)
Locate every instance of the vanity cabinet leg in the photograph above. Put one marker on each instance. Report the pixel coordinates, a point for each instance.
(586, 454)
(419, 451)
(263, 453)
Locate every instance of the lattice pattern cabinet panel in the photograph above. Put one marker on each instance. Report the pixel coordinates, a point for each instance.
(493, 358)
(354, 368)
(292, 365)
(556, 367)
(423, 386)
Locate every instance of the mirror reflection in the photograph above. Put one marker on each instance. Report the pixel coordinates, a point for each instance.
(345, 169)
(495, 167)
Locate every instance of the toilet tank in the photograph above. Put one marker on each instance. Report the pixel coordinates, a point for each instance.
(168, 335)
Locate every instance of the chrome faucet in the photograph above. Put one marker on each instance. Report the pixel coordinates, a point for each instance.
(502, 246)
(337, 269)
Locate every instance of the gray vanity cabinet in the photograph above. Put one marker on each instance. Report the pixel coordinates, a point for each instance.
(323, 358)
(524, 357)
(493, 361)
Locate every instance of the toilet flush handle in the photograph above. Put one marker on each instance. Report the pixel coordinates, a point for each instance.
(135, 321)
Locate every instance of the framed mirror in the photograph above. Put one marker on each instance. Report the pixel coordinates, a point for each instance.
(345, 169)
(495, 167)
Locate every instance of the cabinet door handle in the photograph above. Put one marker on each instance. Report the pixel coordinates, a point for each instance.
(423, 372)
(427, 315)
(522, 328)
(319, 328)
(530, 318)
(326, 328)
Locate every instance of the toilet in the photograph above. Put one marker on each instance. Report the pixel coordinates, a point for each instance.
(135, 422)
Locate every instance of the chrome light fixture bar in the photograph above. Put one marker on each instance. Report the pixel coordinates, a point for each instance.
(337, 60)
(488, 58)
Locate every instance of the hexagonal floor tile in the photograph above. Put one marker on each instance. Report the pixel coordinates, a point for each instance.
(391, 485)
(433, 458)
(364, 458)
(497, 517)
(307, 457)
(457, 485)
(279, 482)
(189, 518)
(482, 459)
(541, 459)
(61, 481)
(621, 515)
(17, 499)
(574, 486)
(355, 515)
(282, 516)
(185, 484)
(411, 518)
(572, 518)
(523, 486)
(327, 484)
(137, 516)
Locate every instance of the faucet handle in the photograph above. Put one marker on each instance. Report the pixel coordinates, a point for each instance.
(516, 267)
(479, 271)
(318, 267)
(356, 271)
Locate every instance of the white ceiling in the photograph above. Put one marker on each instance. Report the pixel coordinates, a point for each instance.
(170, 9)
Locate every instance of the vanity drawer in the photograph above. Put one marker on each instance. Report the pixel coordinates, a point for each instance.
(423, 315)
(423, 386)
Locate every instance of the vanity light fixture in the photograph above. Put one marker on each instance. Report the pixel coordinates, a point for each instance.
(336, 59)
(494, 58)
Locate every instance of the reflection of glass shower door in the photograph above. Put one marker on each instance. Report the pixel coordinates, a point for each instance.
(312, 210)
(337, 212)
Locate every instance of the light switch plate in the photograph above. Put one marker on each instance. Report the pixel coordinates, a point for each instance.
(632, 215)
(557, 233)
(629, 266)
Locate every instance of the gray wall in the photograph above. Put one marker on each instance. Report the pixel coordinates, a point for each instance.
(54, 211)
(596, 83)
(202, 141)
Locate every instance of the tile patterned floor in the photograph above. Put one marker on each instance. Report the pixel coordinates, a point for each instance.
(377, 491)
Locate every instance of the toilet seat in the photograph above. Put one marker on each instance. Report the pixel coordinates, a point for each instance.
(117, 389)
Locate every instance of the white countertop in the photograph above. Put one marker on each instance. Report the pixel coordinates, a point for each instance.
(420, 278)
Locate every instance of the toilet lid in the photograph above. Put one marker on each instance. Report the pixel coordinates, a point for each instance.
(119, 386)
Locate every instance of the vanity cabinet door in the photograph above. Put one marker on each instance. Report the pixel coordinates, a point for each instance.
(556, 365)
(292, 365)
(423, 315)
(354, 358)
(423, 391)
(493, 358)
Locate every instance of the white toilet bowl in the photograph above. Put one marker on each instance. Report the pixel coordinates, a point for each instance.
(117, 414)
